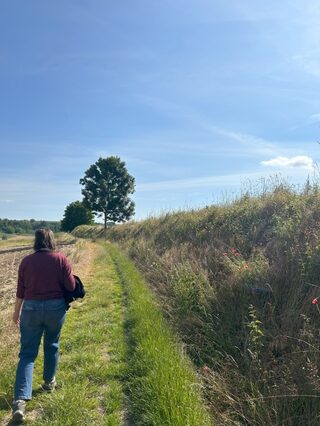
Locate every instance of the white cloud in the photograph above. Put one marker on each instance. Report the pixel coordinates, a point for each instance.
(314, 118)
(300, 161)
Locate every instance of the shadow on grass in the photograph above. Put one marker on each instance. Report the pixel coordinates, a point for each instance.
(12, 422)
(4, 402)
(6, 405)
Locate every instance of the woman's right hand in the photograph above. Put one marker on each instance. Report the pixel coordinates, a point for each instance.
(17, 310)
(16, 317)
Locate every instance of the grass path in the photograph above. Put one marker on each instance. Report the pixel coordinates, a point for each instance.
(91, 362)
(162, 385)
(119, 364)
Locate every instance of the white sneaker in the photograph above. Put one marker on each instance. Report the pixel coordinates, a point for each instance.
(18, 410)
(49, 386)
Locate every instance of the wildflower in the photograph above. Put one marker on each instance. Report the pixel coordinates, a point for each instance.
(225, 254)
(205, 369)
(246, 266)
(236, 254)
(315, 301)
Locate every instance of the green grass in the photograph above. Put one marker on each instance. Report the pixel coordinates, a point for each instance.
(118, 360)
(163, 387)
(92, 362)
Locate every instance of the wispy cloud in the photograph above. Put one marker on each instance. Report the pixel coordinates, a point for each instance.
(300, 161)
(6, 201)
(25, 189)
(314, 118)
(252, 142)
(306, 45)
(309, 63)
(201, 182)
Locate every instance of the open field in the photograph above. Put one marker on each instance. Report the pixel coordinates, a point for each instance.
(27, 240)
(16, 240)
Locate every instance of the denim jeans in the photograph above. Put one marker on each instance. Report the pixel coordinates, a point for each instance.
(38, 317)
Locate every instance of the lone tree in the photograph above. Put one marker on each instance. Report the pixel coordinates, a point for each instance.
(107, 185)
(76, 214)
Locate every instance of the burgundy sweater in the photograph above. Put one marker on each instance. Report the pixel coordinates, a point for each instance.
(43, 275)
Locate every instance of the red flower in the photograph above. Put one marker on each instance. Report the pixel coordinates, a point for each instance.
(236, 254)
(205, 369)
(225, 254)
(315, 301)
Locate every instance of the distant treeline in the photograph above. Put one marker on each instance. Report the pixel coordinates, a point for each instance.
(12, 226)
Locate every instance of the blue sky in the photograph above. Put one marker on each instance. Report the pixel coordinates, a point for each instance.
(198, 97)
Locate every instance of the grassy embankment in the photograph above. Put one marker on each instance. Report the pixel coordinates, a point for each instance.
(114, 343)
(237, 281)
(89, 231)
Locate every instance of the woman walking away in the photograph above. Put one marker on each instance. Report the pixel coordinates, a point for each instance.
(40, 309)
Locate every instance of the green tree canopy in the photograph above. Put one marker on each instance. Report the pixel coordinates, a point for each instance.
(75, 214)
(107, 185)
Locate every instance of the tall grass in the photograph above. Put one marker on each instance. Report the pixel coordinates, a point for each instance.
(236, 281)
(162, 386)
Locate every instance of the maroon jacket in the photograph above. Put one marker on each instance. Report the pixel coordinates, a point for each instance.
(43, 275)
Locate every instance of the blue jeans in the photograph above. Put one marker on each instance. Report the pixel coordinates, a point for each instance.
(38, 317)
